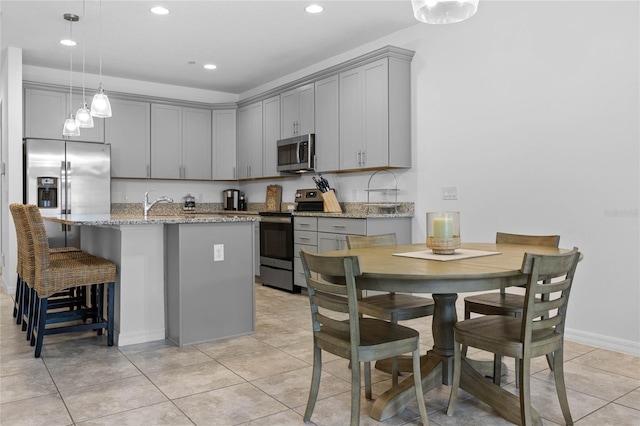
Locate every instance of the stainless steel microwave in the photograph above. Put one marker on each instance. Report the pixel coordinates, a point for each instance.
(297, 154)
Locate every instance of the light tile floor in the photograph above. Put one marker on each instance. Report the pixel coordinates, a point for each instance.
(263, 379)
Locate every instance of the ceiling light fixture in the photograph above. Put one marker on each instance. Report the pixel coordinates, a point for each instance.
(100, 106)
(210, 66)
(70, 127)
(83, 115)
(443, 11)
(314, 8)
(68, 42)
(159, 10)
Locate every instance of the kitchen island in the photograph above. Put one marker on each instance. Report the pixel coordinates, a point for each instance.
(165, 263)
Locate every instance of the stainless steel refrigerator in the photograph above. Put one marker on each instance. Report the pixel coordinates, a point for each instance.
(64, 177)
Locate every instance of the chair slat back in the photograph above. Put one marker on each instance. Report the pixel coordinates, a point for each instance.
(546, 302)
(39, 238)
(327, 297)
(362, 241)
(532, 240)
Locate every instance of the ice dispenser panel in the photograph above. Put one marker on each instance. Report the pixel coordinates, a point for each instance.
(47, 192)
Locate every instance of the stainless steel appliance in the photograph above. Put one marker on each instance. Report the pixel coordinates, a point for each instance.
(297, 154)
(276, 250)
(63, 177)
(276, 241)
(231, 199)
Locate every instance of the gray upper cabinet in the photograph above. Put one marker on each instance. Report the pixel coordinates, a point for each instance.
(327, 124)
(271, 134)
(223, 144)
(375, 115)
(250, 141)
(129, 133)
(45, 112)
(196, 143)
(297, 111)
(180, 142)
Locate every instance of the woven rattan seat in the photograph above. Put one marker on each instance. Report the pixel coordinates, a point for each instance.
(56, 273)
(25, 268)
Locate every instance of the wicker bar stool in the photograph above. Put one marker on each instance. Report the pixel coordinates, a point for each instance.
(56, 274)
(25, 266)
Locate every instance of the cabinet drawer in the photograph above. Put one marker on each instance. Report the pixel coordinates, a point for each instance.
(342, 226)
(305, 237)
(298, 273)
(305, 223)
(297, 247)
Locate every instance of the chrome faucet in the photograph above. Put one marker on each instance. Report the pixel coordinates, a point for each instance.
(147, 205)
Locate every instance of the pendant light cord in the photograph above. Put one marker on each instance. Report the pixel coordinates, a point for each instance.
(100, 35)
(71, 68)
(84, 44)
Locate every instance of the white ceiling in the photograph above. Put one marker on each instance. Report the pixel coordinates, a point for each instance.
(251, 42)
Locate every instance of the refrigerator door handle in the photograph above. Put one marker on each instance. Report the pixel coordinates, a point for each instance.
(62, 196)
(68, 187)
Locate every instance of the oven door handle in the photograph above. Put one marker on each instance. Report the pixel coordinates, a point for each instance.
(271, 219)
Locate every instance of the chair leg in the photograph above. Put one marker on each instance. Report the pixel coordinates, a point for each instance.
(17, 300)
(467, 315)
(550, 361)
(111, 290)
(367, 380)
(418, 385)
(457, 365)
(33, 303)
(40, 330)
(497, 369)
(98, 305)
(558, 373)
(315, 382)
(355, 392)
(26, 307)
(525, 390)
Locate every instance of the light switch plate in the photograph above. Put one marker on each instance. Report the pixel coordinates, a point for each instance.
(218, 252)
(449, 192)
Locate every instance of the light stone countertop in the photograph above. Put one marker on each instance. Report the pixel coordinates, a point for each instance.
(110, 219)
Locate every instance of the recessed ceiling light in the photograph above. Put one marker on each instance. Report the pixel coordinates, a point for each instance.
(67, 42)
(314, 8)
(210, 66)
(159, 10)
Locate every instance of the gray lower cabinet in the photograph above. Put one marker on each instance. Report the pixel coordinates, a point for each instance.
(208, 299)
(321, 234)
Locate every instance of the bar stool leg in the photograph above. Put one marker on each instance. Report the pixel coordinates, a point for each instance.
(39, 331)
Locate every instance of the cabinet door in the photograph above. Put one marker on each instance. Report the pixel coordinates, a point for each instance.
(326, 125)
(250, 141)
(166, 137)
(289, 113)
(196, 143)
(306, 108)
(223, 144)
(271, 134)
(330, 242)
(44, 113)
(375, 79)
(129, 133)
(350, 119)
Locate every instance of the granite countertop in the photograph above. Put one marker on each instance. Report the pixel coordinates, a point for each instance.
(107, 219)
(354, 215)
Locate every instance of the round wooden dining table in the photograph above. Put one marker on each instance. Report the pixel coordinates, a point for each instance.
(383, 270)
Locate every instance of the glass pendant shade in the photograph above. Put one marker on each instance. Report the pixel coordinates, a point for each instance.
(100, 106)
(70, 127)
(84, 117)
(443, 11)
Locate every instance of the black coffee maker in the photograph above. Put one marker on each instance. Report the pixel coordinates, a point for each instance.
(231, 199)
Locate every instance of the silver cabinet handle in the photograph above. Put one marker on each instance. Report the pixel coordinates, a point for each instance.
(364, 158)
(304, 238)
(339, 226)
(148, 171)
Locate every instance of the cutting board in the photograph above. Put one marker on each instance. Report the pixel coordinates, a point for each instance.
(274, 198)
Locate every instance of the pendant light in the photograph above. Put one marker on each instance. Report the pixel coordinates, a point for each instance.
(443, 11)
(100, 106)
(70, 127)
(83, 115)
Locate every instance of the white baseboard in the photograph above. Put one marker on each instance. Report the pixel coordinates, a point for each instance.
(604, 342)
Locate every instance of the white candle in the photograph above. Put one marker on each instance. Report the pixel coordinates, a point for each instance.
(442, 227)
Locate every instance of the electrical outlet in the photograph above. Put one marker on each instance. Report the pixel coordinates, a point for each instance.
(449, 192)
(218, 252)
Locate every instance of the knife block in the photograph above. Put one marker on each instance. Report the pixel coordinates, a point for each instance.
(331, 204)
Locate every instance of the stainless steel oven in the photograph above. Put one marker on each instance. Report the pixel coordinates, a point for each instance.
(276, 250)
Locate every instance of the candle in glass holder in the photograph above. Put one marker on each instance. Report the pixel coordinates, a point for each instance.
(443, 232)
